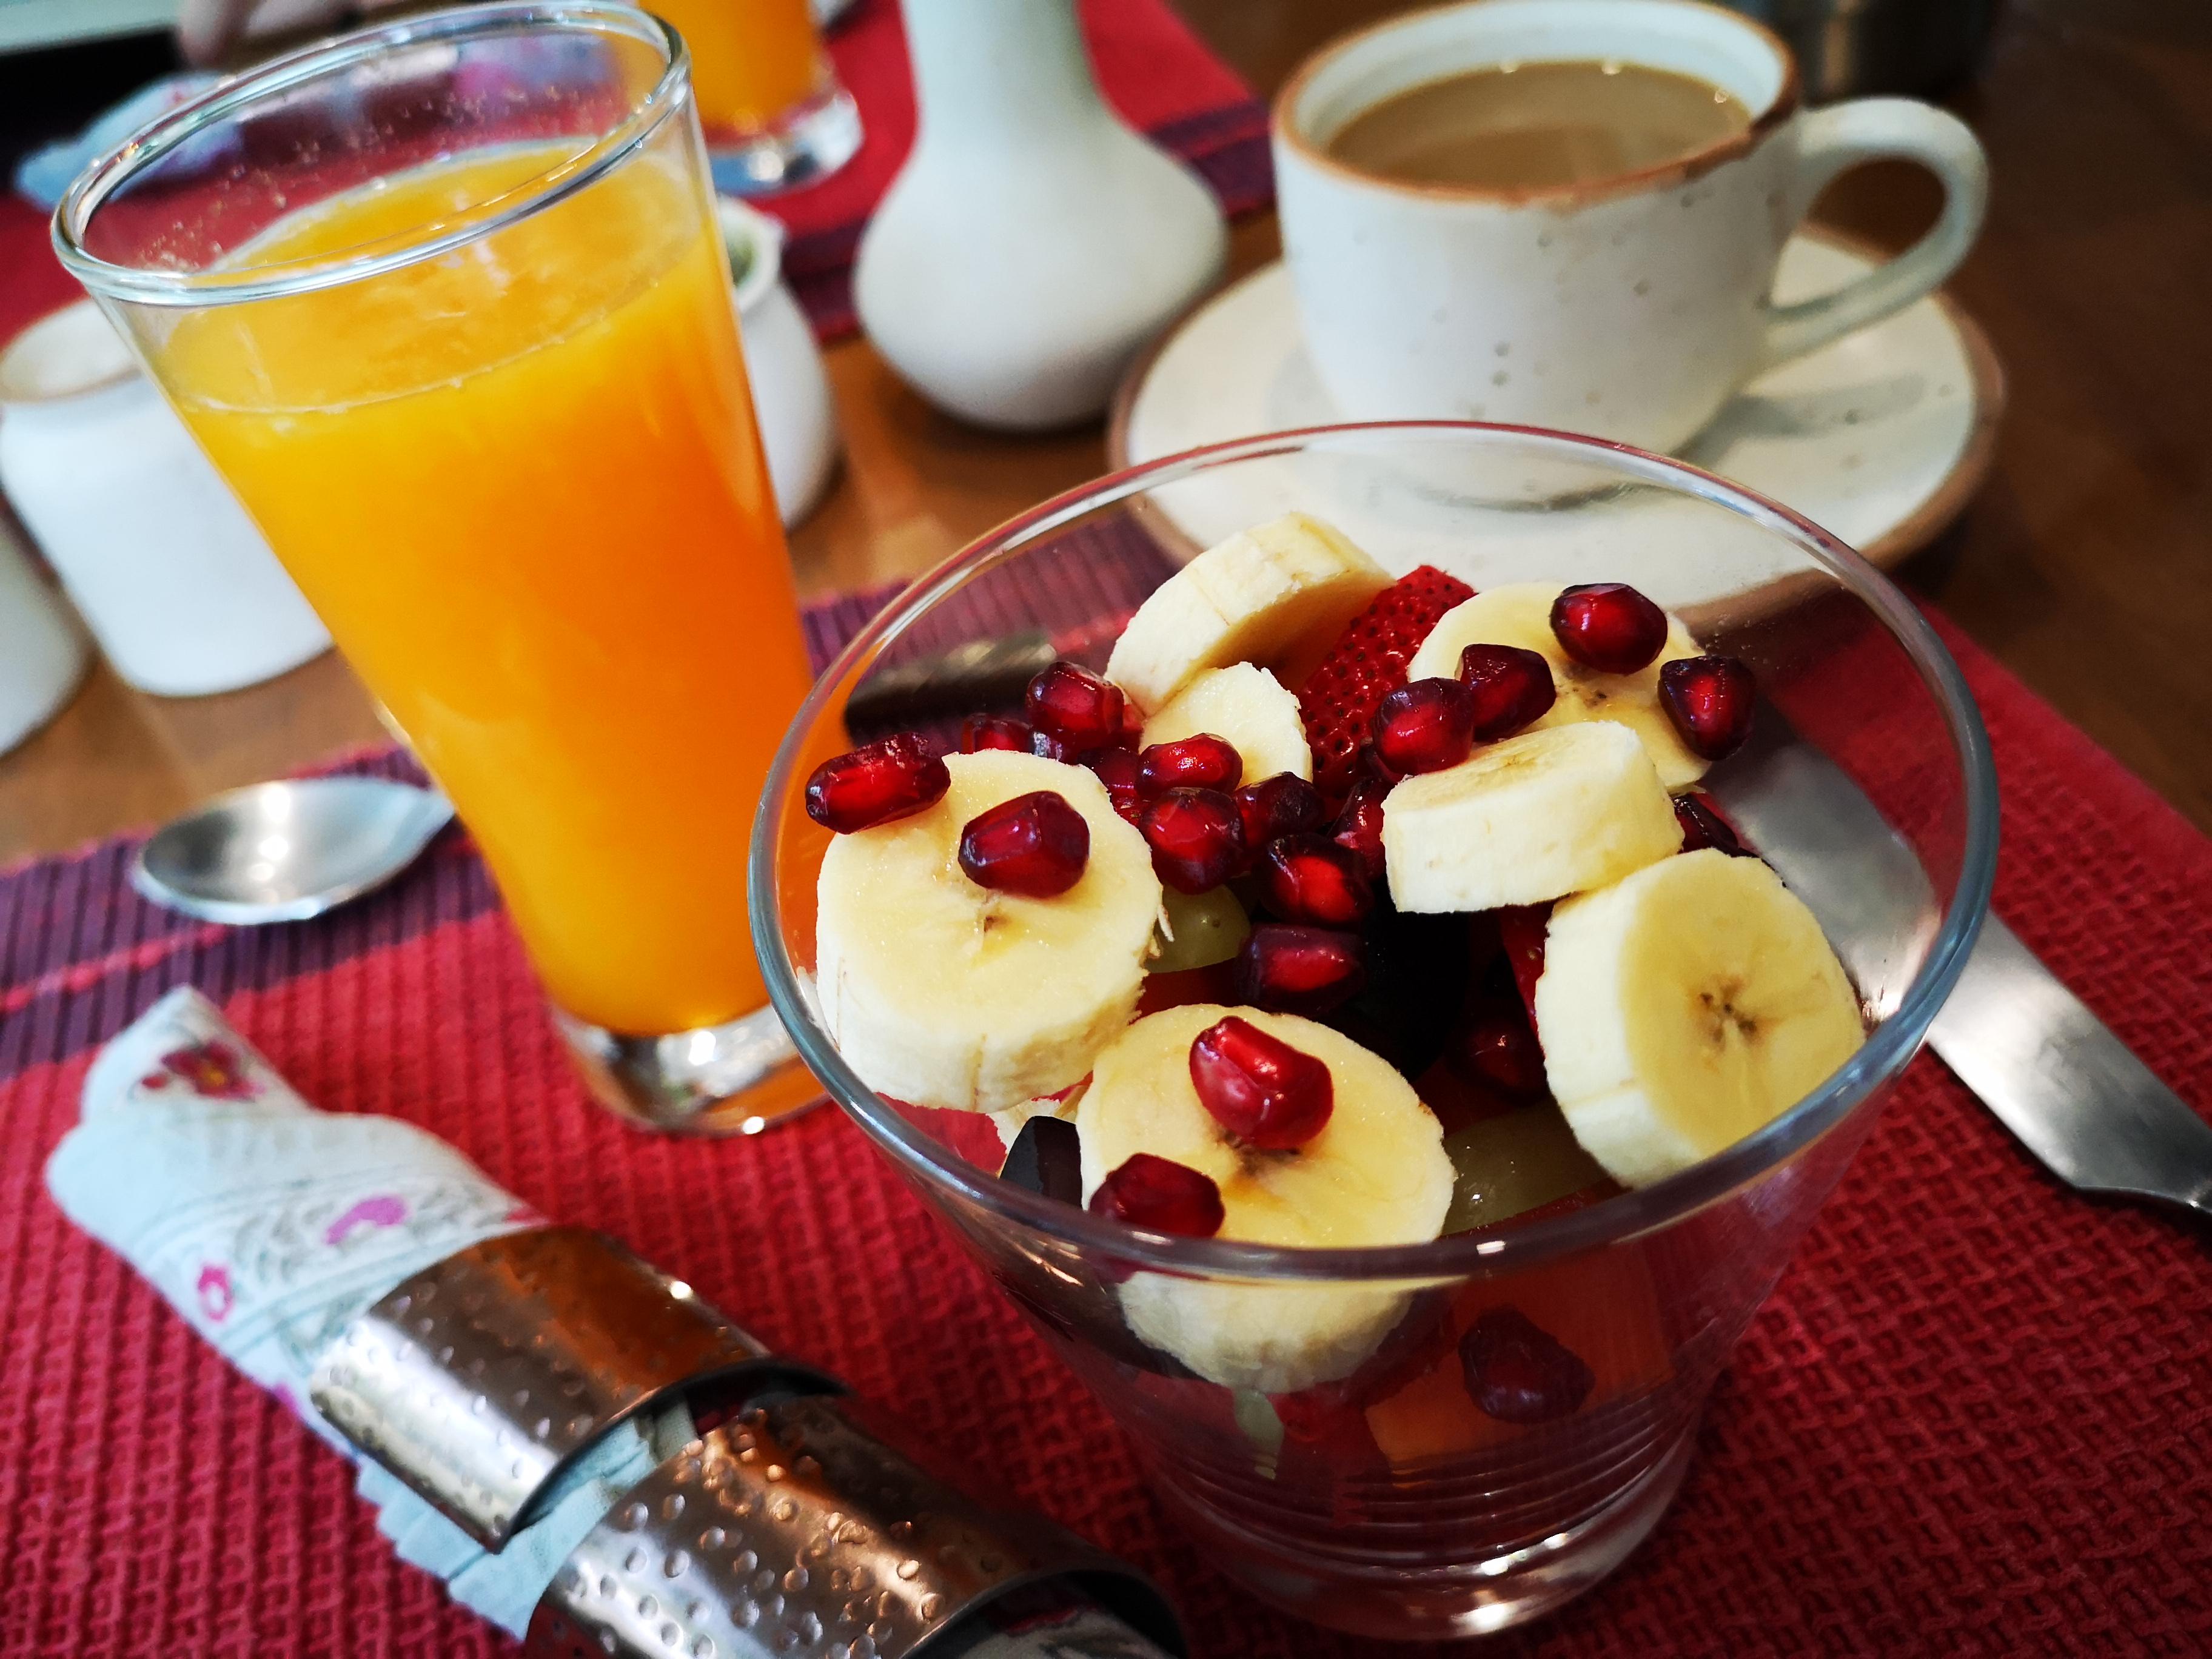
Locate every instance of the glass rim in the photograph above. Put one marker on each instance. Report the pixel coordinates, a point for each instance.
(148, 285)
(1637, 1212)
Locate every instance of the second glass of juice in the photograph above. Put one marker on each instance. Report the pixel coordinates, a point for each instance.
(775, 113)
(446, 304)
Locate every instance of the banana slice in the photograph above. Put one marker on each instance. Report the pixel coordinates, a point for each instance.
(1685, 1007)
(1246, 706)
(942, 993)
(1277, 595)
(1534, 818)
(1520, 615)
(1375, 1175)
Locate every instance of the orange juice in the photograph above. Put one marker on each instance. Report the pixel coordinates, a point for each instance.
(521, 483)
(752, 61)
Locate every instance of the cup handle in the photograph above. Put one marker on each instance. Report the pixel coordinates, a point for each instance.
(1837, 139)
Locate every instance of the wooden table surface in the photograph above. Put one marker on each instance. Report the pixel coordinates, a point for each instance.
(2086, 564)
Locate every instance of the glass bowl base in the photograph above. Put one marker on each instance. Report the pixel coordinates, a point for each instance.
(1400, 1599)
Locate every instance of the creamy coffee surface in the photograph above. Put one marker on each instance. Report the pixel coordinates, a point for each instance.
(1538, 125)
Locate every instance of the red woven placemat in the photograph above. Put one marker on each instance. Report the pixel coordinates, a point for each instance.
(1152, 69)
(1973, 1420)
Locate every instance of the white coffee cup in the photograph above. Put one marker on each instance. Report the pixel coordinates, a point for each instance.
(1630, 307)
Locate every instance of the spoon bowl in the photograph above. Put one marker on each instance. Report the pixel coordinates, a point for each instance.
(287, 851)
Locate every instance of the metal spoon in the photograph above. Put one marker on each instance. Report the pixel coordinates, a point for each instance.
(283, 852)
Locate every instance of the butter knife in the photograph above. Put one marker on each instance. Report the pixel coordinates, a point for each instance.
(2057, 1077)
(2051, 1070)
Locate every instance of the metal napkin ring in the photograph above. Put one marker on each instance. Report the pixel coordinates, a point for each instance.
(479, 1379)
(796, 1529)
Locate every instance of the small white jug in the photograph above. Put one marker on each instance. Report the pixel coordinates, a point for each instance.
(792, 405)
(173, 578)
(1032, 243)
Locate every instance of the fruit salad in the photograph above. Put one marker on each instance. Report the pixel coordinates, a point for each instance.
(1336, 911)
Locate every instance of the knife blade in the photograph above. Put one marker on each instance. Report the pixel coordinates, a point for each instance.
(2057, 1077)
(2050, 1070)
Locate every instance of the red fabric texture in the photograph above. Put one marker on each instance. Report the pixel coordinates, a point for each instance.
(1972, 1419)
(32, 281)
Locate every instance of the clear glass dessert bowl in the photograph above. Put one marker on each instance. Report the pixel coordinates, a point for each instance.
(1382, 1498)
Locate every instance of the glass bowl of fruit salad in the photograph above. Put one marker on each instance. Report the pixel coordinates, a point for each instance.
(1380, 939)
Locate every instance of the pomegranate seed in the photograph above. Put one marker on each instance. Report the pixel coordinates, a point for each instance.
(891, 778)
(1077, 707)
(1426, 725)
(1300, 970)
(1203, 762)
(1267, 1094)
(1519, 1372)
(1513, 688)
(1312, 879)
(1608, 626)
(1702, 827)
(1117, 770)
(982, 732)
(1160, 1196)
(1709, 700)
(1285, 804)
(1046, 747)
(1358, 828)
(1035, 845)
(1197, 838)
(1132, 727)
(1497, 1046)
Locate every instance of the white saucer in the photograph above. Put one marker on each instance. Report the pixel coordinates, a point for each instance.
(1881, 438)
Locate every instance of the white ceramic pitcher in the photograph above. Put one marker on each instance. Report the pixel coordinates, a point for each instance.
(1032, 243)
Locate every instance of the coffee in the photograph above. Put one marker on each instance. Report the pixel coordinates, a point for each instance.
(1537, 126)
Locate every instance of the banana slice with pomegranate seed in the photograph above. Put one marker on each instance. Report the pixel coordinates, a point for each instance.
(1534, 817)
(941, 992)
(1520, 615)
(1375, 1173)
(1276, 595)
(1249, 707)
(1685, 1007)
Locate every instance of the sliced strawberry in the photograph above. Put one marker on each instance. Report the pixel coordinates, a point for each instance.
(1367, 663)
(1521, 929)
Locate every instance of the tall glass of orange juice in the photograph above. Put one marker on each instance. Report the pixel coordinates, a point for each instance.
(446, 303)
(775, 113)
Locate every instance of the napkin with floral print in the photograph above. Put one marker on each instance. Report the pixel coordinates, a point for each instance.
(268, 1225)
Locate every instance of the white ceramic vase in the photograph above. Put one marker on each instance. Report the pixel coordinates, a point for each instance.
(1032, 243)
